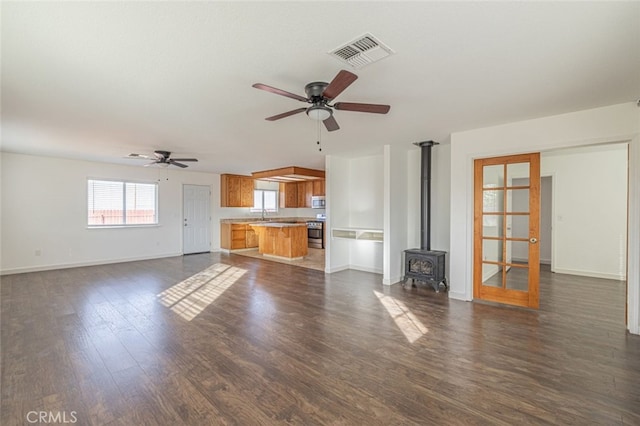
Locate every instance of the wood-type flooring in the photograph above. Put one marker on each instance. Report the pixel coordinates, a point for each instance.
(225, 339)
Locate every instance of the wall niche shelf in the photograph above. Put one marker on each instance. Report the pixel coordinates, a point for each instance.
(376, 235)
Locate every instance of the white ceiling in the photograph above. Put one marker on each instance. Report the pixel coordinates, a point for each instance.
(99, 80)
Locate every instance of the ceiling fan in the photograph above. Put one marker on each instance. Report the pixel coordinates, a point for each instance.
(162, 158)
(319, 95)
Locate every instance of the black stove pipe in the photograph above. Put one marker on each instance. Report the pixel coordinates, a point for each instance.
(425, 191)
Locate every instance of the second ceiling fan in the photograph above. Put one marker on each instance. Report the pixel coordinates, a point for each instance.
(319, 95)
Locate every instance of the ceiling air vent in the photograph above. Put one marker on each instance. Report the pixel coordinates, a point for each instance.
(362, 51)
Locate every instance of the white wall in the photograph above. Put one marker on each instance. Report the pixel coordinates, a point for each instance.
(244, 212)
(590, 220)
(365, 184)
(617, 123)
(354, 200)
(337, 256)
(546, 220)
(395, 217)
(44, 209)
(366, 210)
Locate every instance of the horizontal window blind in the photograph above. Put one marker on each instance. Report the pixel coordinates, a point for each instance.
(121, 203)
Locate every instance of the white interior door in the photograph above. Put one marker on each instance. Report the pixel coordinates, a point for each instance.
(196, 236)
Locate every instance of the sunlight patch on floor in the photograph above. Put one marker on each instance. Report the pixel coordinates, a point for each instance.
(407, 322)
(190, 297)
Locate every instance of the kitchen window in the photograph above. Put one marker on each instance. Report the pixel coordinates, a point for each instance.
(265, 200)
(121, 203)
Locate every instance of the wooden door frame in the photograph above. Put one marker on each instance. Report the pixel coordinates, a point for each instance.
(501, 295)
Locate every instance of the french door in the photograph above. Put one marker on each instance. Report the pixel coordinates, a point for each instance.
(506, 230)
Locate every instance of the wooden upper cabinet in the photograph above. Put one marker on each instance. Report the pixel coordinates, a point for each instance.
(288, 195)
(247, 186)
(319, 187)
(236, 191)
(305, 192)
(298, 194)
(302, 194)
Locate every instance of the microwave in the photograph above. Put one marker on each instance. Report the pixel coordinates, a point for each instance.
(317, 202)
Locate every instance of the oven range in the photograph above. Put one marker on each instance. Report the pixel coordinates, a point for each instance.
(315, 232)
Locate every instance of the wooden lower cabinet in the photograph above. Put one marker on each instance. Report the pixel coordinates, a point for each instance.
(252, 237)
(237, 236)
(283, 241)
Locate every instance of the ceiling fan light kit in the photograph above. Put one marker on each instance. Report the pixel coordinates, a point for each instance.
(319, 94)
(319, 112)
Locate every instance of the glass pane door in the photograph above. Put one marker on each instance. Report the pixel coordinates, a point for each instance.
(506, 227)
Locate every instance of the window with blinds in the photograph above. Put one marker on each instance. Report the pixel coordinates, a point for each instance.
(116, 203)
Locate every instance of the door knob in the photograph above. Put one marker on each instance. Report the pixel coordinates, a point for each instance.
(533, 240)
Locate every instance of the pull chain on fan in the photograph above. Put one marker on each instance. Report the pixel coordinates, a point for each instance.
(319, 135)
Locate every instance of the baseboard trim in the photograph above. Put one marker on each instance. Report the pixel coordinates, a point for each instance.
(525, 260)
(336, 269)
(82, 264)
(591, 274)
(224, 250)
(354, 267)
(458, 296)
(392, 280)
(366, 269)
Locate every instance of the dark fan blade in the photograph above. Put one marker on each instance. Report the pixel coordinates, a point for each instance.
(338, 84)
(351, 106)
(152, 163)
(331, 124)
(175, 163)
(184, 159)
(279, 92)
(285, 114)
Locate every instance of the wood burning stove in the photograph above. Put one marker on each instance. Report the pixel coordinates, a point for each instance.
(424, 264)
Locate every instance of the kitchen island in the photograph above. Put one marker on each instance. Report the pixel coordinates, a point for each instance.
(281, 239)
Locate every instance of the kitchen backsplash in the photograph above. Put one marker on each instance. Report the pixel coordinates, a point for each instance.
(241, 212)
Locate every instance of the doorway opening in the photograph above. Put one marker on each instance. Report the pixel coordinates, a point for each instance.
(583, 227)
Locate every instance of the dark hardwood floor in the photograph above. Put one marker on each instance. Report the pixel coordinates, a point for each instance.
(227, 339)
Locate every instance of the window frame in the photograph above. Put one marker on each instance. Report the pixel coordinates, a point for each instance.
(124, 182)
(259, 210)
